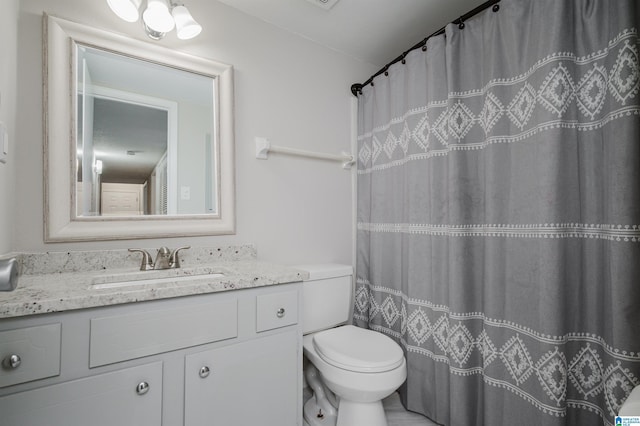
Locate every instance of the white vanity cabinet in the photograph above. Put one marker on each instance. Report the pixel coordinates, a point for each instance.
(132, 396)
(251, 383)
(228, 358)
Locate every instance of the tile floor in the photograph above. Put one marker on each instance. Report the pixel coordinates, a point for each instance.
(396, 414)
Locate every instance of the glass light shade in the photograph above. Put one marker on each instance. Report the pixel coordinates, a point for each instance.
(186, 26)
(127, 10)
(157, 17)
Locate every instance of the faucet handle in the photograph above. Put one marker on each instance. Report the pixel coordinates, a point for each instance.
(147, 263)
(174, 260)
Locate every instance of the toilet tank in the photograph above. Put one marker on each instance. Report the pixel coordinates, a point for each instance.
(326, 296)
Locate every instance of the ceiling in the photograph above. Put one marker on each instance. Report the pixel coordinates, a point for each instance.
(373, 31)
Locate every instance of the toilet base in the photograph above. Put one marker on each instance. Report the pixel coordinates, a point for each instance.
(311, 414)
(349, 414)
(320, 409)
(361, 413)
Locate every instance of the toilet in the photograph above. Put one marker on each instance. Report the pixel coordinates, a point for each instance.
(349, 369)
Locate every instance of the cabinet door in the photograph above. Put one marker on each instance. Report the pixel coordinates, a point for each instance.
(251, 383)
(105, 400)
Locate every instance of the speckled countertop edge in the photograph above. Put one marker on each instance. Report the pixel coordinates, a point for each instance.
(64, 291)
(96, 260)
(47, 293)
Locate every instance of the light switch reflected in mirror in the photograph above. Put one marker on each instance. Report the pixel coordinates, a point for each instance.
(149, 128)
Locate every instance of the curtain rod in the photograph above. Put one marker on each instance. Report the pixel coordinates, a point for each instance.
(357, 88)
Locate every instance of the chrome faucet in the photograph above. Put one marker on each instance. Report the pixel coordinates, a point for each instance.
(147, 263)
(174, 260)
(165, 259)
(162, 258)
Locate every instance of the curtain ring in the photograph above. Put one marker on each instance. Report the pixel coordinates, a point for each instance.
(496, 7)
(424, 48)
(461, 24)
(386, 73)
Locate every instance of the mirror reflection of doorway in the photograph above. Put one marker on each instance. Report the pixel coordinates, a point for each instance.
(130, 116)
(130, 140)
(122, 199)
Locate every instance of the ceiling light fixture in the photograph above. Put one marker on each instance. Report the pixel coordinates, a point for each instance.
(126, 9)
(186, 26)
(158, 18)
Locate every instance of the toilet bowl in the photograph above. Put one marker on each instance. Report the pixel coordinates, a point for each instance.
(350, 369)
(360, 379)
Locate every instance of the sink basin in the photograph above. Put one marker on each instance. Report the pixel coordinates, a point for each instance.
(127, 279)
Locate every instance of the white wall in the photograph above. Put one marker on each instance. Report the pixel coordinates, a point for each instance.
(194, 126)
(288, 89)
(8, 76)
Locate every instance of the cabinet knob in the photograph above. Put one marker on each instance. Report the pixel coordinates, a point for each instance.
(280, 313)
(142, 388)
(204, 372)
(12, 361)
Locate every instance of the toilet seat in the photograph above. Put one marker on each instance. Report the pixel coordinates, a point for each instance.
(357, 349)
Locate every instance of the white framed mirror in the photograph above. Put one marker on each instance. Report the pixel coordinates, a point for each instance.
(138, 138)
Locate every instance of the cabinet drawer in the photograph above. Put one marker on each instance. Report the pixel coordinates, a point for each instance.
(124, 337)
(132, 396)
(36, 352)
(276, 310)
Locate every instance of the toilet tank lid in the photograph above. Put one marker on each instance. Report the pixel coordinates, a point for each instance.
(326, 270)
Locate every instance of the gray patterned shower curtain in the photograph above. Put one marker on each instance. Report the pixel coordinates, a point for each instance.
(499, 212)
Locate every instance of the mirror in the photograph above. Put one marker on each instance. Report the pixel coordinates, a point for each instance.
(144, 144)
(138, 138)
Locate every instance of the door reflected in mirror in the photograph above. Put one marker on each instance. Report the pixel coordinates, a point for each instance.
(145, 141)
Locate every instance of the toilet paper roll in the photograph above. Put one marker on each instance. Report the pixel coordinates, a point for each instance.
(8, 274)
(631, 406)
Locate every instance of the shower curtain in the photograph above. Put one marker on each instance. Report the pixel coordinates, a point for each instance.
(498, 215)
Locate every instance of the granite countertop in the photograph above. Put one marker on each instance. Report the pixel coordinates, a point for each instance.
(57, 284)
